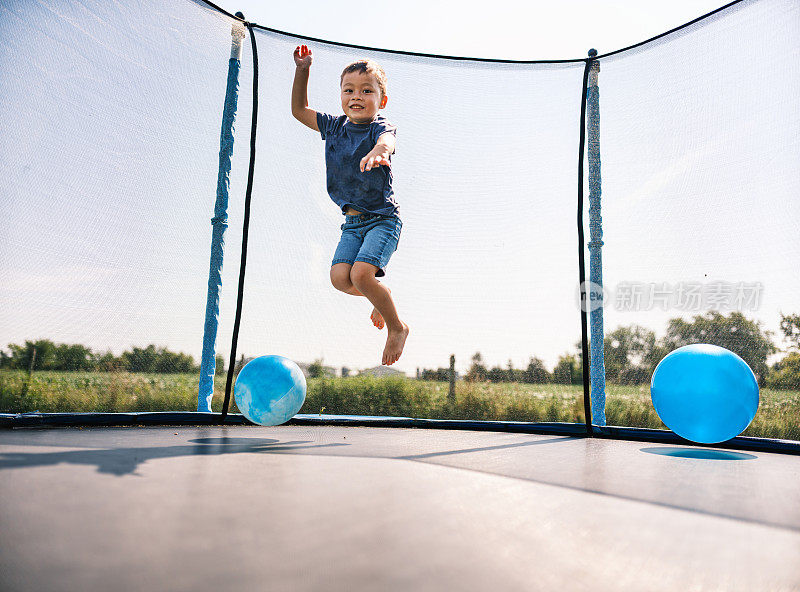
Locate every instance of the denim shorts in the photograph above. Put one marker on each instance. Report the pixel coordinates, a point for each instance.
(370, 238)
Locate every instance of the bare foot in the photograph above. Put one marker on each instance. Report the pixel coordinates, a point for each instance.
(377, 318)
(394, 345)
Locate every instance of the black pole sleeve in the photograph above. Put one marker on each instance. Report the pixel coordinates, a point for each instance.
(587, 407)
(245, 229)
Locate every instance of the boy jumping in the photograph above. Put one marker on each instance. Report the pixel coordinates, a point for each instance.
(358, 151)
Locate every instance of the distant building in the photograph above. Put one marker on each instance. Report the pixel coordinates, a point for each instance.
(381, 371)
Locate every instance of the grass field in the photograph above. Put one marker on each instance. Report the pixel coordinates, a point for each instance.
(778, 415)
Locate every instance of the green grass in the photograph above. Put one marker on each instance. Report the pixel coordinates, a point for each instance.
(112, 392)
(778, 415)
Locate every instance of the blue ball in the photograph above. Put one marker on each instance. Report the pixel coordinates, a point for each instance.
(704, 393)
(270, 390)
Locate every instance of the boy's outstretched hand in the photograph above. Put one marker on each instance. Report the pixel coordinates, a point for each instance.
(377, 156)
(303, 57)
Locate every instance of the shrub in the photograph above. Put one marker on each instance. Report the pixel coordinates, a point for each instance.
(785, 374)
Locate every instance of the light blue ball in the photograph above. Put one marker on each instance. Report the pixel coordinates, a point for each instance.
(704, 393)
(270, 390)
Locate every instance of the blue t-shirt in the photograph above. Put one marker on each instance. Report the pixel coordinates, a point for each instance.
(346, 143)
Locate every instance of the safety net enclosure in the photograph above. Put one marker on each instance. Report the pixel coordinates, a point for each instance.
(698, 141)
(674, 160)
(110, 145)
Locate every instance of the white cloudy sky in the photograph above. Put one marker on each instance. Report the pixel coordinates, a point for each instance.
(524, 30)
(109, 164)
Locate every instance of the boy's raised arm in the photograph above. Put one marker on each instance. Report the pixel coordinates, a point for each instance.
(300, 110)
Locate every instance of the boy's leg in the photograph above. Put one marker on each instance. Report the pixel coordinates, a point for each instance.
(376, 317)
(379, 243)
(344, 256)
(340, 278)
(363, 277)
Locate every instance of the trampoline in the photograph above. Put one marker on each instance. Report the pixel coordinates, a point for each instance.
(357, 508)
(512, 477)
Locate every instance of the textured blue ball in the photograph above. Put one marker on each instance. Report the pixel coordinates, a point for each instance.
(270, 390)
(704, 393)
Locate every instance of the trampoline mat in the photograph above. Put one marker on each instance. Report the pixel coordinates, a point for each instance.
(338, 508)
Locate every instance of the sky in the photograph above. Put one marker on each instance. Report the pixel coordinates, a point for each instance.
(512, 30)
(110, 151)
(525, 31)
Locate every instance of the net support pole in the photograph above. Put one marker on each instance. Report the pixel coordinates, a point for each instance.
(587, 406)
(597, 371)
(248, 196)
(219, 223)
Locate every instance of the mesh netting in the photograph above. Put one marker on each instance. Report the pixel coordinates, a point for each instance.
(699, 141)
(109, 158)
(486, 261)
(109, 163)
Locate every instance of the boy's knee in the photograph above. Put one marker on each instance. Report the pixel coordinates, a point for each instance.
(340, 285)
(361, 274)
(340, 278)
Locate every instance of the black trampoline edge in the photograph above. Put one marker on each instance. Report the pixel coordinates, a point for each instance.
(554, 428)
(577, 430)
(163, 418)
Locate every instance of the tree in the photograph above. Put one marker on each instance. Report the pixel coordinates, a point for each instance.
(568, 370)
(740, 335)
(316, 369)
(631, 354)
(477, 371)
(536, 373)
(108, 362)
(635, 375)
(790, 325)
(157, 360)
(515, 374)
(219, 365)
(785, 374)
(497, 374)
(140, 359)
(440, 374)
(240, 363)
(168, 362)
(22, 355)
(73, 358)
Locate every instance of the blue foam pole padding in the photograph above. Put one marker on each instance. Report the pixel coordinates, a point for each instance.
(219, 224)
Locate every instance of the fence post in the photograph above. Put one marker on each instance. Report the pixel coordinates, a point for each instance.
(32, 364)
(27, 385)
(451, 395)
